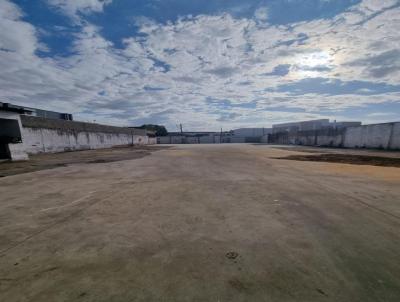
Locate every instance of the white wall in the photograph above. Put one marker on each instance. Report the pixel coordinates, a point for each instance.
(369, 136)
(237, 140)
(17, 152)
(251, 132)
(40, 140)
(152, 140)
(377, 136)
(209, 139)
(395, 139)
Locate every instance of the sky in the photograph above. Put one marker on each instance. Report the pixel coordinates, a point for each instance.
(204, 64)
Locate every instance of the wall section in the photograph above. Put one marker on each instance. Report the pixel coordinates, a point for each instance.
(395, 137)
(41, 140)
(376, 136)
(40, 135)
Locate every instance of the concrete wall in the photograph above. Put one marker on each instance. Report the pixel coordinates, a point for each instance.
(18, 152)
(395, 140)
(40, 140)
(237, 139)
(370, 136)
(209, 139)
(41, 135)
(251, 132)
(264, 139)
(377, 136)
(170, 140)
(328, 137)
(152, 141)
(163, 140)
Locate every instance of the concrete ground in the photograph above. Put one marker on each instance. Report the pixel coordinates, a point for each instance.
(201, 223)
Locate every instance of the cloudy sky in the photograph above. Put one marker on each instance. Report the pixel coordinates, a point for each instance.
(205, 64)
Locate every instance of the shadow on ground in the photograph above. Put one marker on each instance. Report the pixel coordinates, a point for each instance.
(50, 161)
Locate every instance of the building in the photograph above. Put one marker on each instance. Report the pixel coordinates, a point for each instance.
(38, 112)
(312, 125)
(249, 135)
(339, 125)
(251, 132)
(301, 126)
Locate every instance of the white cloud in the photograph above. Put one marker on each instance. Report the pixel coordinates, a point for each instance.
(373, 6)
(72, 8)
(171, 72)
(16, 36)
(261, 14)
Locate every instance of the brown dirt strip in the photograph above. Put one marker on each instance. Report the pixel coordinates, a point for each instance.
(347, 159)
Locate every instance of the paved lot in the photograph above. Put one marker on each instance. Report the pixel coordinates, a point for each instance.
(201, 223)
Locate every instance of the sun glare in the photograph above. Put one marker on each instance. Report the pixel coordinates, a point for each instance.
(315, 59)
(312, 64)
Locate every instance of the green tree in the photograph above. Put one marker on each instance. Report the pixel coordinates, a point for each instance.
(159, 129)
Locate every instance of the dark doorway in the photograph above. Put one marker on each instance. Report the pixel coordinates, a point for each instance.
(9, 133)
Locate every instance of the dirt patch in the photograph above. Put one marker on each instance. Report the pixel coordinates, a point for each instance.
(332, 150)
(304, 149)
(348, 159)
(238, 285)
(231, 255)
(50, 161)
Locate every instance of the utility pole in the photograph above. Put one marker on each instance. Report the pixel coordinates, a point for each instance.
(183, 139)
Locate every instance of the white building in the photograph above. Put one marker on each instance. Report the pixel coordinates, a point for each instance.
(311, 125)
(251, 132)
(300, 126)
(249, 135)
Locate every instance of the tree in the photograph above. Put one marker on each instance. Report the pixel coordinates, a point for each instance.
(159, 129)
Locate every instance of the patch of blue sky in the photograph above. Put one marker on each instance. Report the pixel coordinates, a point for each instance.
(55, 29)
(119, 18)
